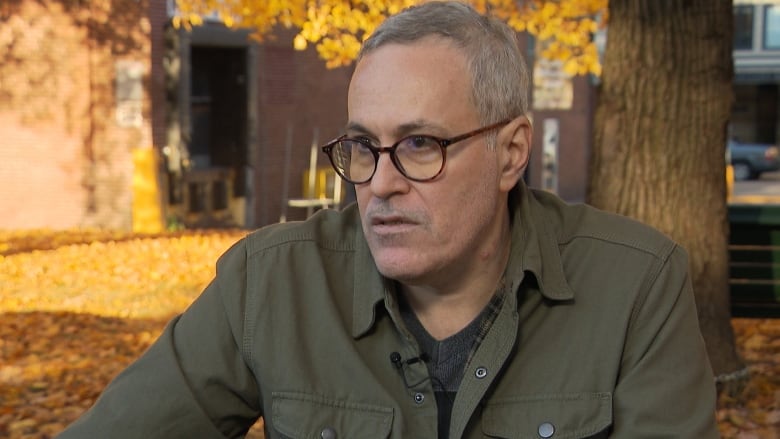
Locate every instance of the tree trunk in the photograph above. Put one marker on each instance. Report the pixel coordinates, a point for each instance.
(660, 136)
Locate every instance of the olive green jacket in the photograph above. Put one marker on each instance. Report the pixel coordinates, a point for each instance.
(598, 338)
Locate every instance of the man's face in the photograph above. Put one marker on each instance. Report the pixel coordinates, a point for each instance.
(425, 233)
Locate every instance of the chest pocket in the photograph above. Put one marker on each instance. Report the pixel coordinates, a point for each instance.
(562, 416)
(300, 415)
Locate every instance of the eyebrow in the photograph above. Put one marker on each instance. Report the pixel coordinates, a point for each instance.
(400, 131)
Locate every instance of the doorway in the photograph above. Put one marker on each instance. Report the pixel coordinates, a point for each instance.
(215, 185)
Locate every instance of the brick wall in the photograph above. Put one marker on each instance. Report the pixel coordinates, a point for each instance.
(296, 92)
(574, 142)
(64, 160)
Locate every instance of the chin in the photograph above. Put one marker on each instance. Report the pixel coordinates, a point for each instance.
(400, 267)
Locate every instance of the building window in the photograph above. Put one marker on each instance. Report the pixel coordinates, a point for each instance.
(772, 27)
(743, 27)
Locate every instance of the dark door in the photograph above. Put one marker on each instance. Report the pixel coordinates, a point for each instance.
(219, 111)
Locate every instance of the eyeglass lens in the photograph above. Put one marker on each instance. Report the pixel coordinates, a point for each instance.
(416, 157)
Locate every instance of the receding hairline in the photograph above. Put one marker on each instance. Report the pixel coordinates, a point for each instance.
(383, 35)
(447, 40)
(437, 43)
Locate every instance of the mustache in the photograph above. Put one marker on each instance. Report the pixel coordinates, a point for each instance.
(382, 211)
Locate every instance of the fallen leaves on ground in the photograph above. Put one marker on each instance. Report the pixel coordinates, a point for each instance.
(131, 277)
(76, 308)
(755, 413)
(55, 364)
(19, 241)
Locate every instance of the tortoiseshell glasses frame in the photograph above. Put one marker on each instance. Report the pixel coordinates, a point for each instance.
(418, 157)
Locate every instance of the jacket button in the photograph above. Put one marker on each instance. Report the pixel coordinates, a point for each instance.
(419, 398)
(546, 430)
(328, 433)
(481, 372)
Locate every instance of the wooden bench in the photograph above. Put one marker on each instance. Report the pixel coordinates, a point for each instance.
(206, 195)
(754, 266)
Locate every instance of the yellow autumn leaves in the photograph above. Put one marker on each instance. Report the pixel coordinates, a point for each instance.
(107, 273)
(338, 27)
(77, 306)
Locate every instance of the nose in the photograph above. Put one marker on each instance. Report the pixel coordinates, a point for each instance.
(387, 179)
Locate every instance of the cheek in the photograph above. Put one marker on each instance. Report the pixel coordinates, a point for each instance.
(476, 183)
(462, 210)
(475, 204)
(362, 195)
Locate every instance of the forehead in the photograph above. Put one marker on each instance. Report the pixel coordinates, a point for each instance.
(427, 80)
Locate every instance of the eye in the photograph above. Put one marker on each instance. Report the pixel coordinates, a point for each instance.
(420, 143)
(364, 142)
(360, 146)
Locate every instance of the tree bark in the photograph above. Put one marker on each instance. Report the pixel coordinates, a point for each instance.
(660, 135)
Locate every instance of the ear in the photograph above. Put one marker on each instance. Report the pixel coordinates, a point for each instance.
(514, 144)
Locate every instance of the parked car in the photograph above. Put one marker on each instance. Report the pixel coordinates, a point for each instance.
(750, 160)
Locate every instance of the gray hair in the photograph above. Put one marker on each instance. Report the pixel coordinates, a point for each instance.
(498, 71)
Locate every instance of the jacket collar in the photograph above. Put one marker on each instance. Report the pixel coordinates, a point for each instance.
(535, 250)
(370, 286)
(536, 246)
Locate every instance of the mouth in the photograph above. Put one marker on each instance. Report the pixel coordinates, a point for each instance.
(389, 221)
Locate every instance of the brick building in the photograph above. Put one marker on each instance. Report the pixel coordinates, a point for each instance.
(100, 98)
(87, 86)
(64, 161)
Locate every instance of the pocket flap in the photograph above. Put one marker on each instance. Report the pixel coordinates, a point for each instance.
(556, 416)
(300, 415)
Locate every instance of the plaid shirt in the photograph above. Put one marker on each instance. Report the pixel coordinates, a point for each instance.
(488, 317)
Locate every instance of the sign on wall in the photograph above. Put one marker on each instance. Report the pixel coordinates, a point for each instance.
(129, 94)
(553, 88)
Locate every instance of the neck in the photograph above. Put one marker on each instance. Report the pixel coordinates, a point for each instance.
(450, 306)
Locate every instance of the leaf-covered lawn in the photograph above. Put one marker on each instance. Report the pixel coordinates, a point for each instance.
(755, 413)
(77, 307)
(108, 275)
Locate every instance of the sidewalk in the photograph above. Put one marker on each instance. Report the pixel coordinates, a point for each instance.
(765, 190)
(754, 199)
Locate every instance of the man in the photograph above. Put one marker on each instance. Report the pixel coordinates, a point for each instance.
(451, 302)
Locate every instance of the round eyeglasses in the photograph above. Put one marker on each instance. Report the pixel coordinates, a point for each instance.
(417, 157)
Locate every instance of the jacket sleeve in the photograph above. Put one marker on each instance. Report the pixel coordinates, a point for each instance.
(665, 386)
(193, 381)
